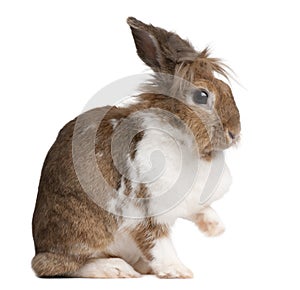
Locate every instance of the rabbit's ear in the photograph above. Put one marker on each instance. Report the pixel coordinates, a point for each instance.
(158, 48)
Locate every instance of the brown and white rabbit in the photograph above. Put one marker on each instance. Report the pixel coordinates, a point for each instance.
(106, 202)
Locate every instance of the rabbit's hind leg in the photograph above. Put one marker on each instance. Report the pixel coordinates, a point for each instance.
(106, 268)
(55, 265)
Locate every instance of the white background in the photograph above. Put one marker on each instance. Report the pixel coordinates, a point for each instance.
(55, 55)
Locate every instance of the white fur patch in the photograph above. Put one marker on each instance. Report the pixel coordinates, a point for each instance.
(124, 247)
(106, 268)
(165, 263)
(160, 159)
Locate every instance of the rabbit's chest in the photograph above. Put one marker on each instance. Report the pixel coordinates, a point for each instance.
(179, 182)
(213, 181)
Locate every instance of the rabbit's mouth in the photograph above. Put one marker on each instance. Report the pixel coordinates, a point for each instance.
(227, 140)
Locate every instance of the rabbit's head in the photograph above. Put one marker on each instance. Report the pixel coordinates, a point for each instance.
(189, 76)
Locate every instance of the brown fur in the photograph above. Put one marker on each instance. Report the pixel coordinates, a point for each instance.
(69, 228)
(49, 264)
(64, 215)
(145, 235)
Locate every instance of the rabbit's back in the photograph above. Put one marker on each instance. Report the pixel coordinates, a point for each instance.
(65, 218)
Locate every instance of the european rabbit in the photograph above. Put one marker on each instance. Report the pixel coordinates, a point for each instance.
(118, 224)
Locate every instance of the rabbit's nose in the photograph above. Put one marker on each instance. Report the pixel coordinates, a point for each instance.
(231, 135)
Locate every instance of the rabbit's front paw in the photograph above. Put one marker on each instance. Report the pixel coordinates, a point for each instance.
(209, 223)
(173, 271)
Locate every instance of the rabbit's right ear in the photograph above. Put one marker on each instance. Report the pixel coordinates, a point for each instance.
(158, 48)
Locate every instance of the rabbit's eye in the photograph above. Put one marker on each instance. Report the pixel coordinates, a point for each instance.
(200, 97)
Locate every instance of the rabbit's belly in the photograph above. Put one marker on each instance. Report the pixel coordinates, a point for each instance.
(124, 247)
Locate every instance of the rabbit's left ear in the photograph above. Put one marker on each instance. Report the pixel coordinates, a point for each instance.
(158, 48)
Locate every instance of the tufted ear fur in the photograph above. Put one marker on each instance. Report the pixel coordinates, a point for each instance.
(158, 48)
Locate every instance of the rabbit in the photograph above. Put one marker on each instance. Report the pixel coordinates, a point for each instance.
(106, 203)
